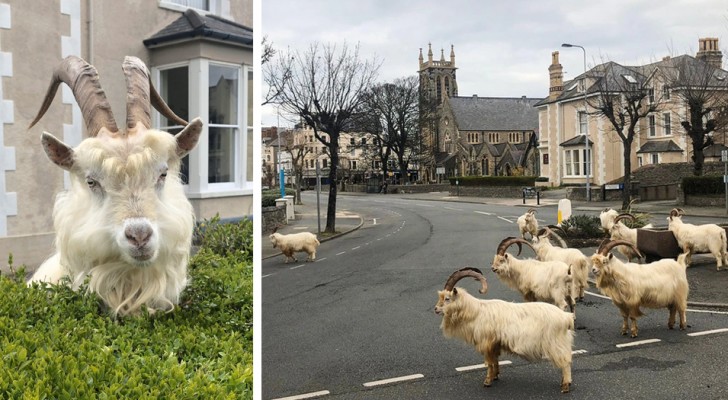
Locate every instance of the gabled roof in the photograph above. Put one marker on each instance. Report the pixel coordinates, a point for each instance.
(714, 150)
(191, 25)
(494, 113)
(662, 146)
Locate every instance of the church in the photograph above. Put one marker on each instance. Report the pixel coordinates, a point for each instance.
(473, 135)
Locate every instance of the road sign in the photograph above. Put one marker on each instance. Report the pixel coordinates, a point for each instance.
(724, 155)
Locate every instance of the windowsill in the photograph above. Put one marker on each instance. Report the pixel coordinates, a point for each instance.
(211, 194)
(181, 8)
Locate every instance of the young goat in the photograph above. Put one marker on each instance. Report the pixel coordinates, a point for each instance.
(534, 331)
(548, 281)
(658, 284)
(125, 220)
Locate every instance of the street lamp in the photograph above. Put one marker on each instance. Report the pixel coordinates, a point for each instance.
(586, 132)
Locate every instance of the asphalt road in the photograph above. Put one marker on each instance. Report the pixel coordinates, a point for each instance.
(363, 313)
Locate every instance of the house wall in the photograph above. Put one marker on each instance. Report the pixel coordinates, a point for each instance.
(34, 36)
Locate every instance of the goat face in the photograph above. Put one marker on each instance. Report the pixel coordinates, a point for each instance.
(445, 297)
(600, 263)
(122, 189)
(500, 264)
(274, 239)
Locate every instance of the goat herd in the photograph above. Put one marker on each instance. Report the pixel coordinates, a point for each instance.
(541, 328)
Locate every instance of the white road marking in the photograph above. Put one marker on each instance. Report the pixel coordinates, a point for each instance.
(265, 276)
(393, 380)
(597, 295)
(423, 205)
(343, 252)
(321, 259)
(354, 248)
(505, 219)
(483, 212)
(579, 352)
(637, 343)
(708, 332)
(375, 221)
(480, 366)
(452, 209)
(298, 266)
(305, 396)
(688, 310)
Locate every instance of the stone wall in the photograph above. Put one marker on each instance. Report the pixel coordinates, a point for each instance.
(443, 187)
(272, 216)
(487, 191)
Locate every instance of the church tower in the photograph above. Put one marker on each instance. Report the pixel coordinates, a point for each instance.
(437, 77)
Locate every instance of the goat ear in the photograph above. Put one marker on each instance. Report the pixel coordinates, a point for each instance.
(610, 256)
(57, 151)
(187, 138)
(454, 291)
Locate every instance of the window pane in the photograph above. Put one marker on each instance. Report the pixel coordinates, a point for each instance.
(199, 4)
(221, 162)
(250, 100)
(249, 159)
(174, 89)
(184, 170)
(568, 162)
(223, 95)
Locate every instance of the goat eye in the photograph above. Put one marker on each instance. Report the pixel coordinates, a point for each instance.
(91, 183)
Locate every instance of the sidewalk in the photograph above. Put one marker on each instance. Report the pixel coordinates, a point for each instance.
(708, 287)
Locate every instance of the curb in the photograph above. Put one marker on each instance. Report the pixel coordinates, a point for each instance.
(361, 223)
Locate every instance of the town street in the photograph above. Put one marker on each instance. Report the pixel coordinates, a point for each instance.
(363, 313)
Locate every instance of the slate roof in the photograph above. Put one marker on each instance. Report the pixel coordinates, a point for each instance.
(494, 113)
(714, 150)
(192, 25)
(662, 146)
(576, 140)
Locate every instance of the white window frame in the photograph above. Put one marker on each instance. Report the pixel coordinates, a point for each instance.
(575, 163)
(655, 158)
(198, 105)
(582, 121)
(667, 124)
(217, 7)
(651, 125)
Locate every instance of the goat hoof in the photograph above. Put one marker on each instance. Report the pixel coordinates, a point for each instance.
(565, 387)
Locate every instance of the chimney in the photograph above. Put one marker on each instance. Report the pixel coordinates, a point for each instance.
(709, 52)
(556, 76)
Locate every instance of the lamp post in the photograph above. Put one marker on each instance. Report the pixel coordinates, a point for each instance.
(587, 163)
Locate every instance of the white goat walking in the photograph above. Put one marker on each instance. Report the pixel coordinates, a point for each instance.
(579, 262)
(548, 281)
(527, 223)
(659, 284)
(292, 243)
(698, 238)
(125, 221)
(534, 331)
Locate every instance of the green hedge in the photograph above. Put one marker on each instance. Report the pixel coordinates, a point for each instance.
(268, 197)
(494, 180)
(55, 343)
(711, 184)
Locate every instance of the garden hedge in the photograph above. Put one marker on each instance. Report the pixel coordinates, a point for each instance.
(494, 180)
(56, 343)
(709, 184)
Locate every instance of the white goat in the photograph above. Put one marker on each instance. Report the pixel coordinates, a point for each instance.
(620, 231)
(548, 281)
(707, 238)
(295, 242)
(578, 261)
(125, 221)
(534, 331)
(528, 223)
(659, 284)
(606, 218)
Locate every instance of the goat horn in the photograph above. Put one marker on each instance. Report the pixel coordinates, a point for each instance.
(83, 79)
(674, 212)
(509, 241)
(608, 245)
(531, 211)
(562, 242)
(138, 109)
(624, 216)
(541, 231)
(680, 212)
(159, 105)
(464, 272)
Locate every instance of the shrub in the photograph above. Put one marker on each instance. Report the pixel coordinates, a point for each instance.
(56, 344)
(582, 226)
(710, 184)
(494, 180)
(234, 239)
(268, 197)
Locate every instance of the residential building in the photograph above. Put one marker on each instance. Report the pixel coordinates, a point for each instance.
(660, 138)
(200, 57)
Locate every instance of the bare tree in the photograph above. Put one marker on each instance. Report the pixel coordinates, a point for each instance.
(704, 89)
(280, 67)
(393, 112)
(324, 87)
(623, 96)
(298, 150)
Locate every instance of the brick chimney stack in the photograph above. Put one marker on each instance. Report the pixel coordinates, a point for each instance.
(556, 75)
(710, 52)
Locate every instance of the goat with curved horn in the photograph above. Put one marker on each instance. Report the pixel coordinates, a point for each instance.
(464, 273)
(607, 245)
(510, 241)
(125, 222)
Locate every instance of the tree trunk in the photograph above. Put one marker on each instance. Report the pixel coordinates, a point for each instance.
(331, 207)
(299, 179)
(627, 181)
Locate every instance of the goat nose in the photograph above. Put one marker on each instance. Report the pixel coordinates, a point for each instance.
(138, 234)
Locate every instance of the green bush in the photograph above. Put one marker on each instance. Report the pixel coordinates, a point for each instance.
(582, 226)
(494, 180)
(233, 239)
(268, 197)
(542, 179)
(55, 343)
(711, 184)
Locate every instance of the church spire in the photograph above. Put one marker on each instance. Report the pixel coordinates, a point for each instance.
(429, 52)
(452, 55)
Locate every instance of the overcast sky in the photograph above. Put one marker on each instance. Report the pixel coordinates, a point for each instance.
(503, 47)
